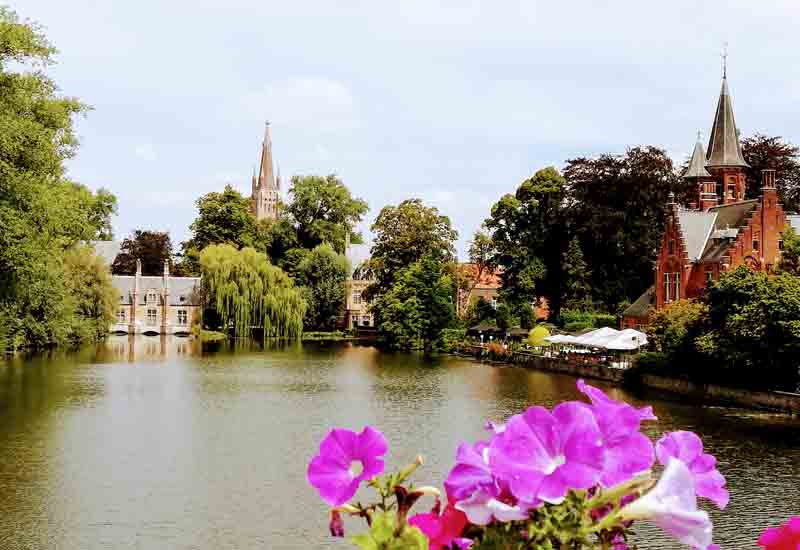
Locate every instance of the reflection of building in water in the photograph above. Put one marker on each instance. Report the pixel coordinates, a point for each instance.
(128, 347)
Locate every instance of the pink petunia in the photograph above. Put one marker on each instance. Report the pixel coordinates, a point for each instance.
(785, 537)
(688, 448)
(442, 530)
(346, 459)
(672, 505)
(542, 454)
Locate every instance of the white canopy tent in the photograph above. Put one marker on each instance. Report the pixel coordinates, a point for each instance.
(606, 337)
(626, 340)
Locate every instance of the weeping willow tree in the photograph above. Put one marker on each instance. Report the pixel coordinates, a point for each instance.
(247, 291)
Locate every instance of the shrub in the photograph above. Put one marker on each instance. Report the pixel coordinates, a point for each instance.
(537, 335)
(577, 326)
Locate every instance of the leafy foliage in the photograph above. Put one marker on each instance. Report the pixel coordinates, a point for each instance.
(152, 248)
(537, 335)
(790, 256)
(246, 291)
(773, 152)
(418, 307)
(669, 327)
(384, 535)
(322, 274)
(42, 214)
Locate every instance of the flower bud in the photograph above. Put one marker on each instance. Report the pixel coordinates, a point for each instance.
(336, 525)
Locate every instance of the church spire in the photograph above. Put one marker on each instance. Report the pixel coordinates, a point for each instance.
(723, 144)
(697, 164)
(265, 174)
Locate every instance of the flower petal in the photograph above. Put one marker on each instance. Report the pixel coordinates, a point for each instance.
(626, 459)
(334, 483)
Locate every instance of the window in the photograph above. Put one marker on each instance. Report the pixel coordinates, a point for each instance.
(677, 277)
(121, 316)
(667, 287)
(150, 297)
(494, 302)
(182, 317)
(755, 241)
(780, 244)
(152, 316)
(709, 275)
(670, 247)
(182, 298)
(357, 297)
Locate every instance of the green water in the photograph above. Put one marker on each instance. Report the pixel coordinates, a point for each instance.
(152, 444)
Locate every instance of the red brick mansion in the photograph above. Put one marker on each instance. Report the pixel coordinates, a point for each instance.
(719, 230)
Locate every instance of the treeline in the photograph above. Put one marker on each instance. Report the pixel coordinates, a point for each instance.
(53, 289)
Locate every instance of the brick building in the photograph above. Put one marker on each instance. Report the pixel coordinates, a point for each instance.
(718, 230)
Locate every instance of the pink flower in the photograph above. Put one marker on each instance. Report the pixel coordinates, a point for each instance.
(541, 455)
(443, 530)
(785, 537)
(672, 505)
(627, 451)
(481, 508)
(688, 448)
(346, 459)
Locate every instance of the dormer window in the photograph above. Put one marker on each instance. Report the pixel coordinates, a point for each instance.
(151, 297)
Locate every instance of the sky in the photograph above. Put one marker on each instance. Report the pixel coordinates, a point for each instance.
(452, 102)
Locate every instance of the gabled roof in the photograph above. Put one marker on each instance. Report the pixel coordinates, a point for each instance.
(183, 291)
(640, 309)
(697, 164)
(730, 218)
(696, 227)
(723, 144)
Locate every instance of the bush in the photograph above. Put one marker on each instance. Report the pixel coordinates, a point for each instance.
(605, 320)
(497, 352)
(453, 337)
(577, 326)
(537, 335)
(652, 362)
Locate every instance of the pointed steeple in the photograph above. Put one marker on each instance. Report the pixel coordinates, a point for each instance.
(723, 144)
(265, 175)
(697, 164)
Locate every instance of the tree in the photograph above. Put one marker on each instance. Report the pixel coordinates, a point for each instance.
(418, 307)
(672, 328)
(95, 298)
(322, 275)
(42, 213)
(790, 255)
(529, 235)
(577, 288)
(322, 209)
(222, 218)
(617, 214)
(762, 152)
(246, 291)
(404, 234)
(152, 248)
(480, 266)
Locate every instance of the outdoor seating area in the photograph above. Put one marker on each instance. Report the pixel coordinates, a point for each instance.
(606, 346)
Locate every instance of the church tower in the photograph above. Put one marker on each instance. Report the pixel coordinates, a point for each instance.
(266, 188)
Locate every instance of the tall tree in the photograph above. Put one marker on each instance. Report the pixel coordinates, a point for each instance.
(246, 291)
(152, 248)
(618, 215)
(418, 307)
(322, 275)
(529, 235)
(773, 152)
(42, 213)
(404, 234)
(790, 256)
(577, 276)
(322, 209)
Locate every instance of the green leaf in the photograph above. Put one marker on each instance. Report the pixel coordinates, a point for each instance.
(381, 535)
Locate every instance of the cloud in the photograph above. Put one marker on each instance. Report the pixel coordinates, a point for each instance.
(305, 103)
(146, 151)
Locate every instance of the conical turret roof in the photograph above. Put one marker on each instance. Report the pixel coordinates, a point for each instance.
(723, 145)
(266, 178)
(697, 165)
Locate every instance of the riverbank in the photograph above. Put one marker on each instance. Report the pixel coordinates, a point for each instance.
(634, 378)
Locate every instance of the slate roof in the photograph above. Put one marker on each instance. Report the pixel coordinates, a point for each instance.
(107, 250)
(723, 144)
(183, 291)
(640, 309)
(696, 227)
(730, 218)
(697, 164)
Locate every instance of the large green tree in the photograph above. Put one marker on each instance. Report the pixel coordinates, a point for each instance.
(529, 234)
(773, 152)
(790, 255)
(152, 248)
(245, 291)
(403, 235)
(322, 209)
(617, 213)
(418, 307)
(42, 213)
(322, 275)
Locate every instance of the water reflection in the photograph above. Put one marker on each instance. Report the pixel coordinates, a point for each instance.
(195, 448)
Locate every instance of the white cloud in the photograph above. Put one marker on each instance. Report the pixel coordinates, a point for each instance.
(146, 151)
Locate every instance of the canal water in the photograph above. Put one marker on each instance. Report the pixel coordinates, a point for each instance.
(149, 443)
